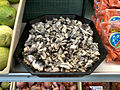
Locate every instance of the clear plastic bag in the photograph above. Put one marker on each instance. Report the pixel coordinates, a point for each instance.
(98, 26)
(97, 7)
(111, 39)
(94, 19)
(104, 4)
(114, 3)
(96, 3)
(112, 15)
(108, 27)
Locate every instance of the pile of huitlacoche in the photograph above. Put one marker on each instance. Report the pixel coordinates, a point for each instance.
(61, 45)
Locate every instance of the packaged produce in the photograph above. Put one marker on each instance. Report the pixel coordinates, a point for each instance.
(98, 27)
(104, 4)
(46, 86)
(7, 15)
(96, 4)
(114, 3)
(111, 40)
(96, 7)
(95, 86)
(69, 43)
(107, 13)
(112, 15)
(99, 6)
(5, 35)
(94, 19)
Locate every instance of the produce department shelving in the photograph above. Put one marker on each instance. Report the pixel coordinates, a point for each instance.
(104, 73)
(20, 77)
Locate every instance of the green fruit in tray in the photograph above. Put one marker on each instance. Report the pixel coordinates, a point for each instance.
(1, 88)
(13, 1)
(5, 85)
(2, 3)
(5, 35)
(4, 53)
(7, 15)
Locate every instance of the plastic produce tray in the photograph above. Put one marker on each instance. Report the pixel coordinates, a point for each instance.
(35, 8)
(25, 34)
(15, 36)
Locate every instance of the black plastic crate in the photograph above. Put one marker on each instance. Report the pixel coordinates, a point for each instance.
(18, 52)
(35, 8)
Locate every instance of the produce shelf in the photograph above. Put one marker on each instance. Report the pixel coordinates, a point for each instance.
(103, 69)
(105, 72)
(26, 77)
(16, 29)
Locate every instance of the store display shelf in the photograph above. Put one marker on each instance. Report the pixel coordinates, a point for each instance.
(27, 77)
(103, 73)
(16, 29)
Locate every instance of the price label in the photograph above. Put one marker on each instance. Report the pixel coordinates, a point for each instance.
(96, 88)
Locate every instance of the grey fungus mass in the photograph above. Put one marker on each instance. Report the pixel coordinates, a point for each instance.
(61, 45)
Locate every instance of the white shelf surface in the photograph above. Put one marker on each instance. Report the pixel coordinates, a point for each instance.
(107, 68)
